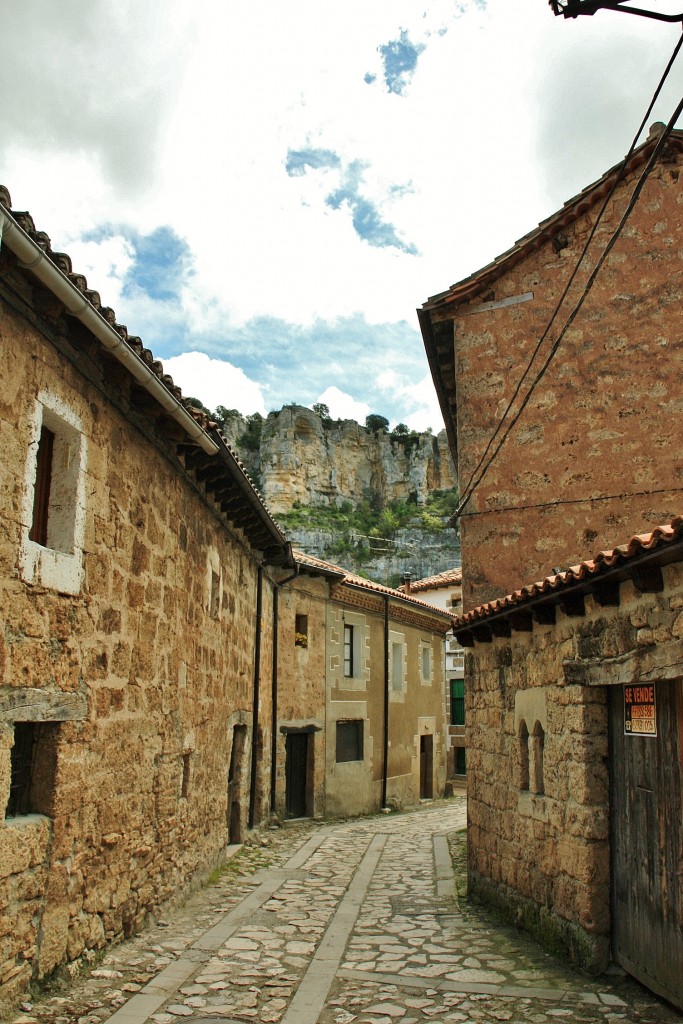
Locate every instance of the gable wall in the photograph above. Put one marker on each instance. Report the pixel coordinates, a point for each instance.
(605, 418)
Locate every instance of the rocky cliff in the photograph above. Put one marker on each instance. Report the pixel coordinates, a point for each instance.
(313, 461)
(302, 460)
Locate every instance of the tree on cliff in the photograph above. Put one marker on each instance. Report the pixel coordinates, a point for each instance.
(374, 422)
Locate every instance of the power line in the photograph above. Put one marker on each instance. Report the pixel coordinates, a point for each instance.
(571, 501)
(472, 482)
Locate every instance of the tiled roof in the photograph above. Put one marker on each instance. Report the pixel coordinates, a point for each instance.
(254, 515)
(626, 556)
(449, 578)
(351, 580)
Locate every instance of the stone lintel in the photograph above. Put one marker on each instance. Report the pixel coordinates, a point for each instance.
(640, 665)
(30, 704)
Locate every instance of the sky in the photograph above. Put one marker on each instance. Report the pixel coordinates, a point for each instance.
(266, 191)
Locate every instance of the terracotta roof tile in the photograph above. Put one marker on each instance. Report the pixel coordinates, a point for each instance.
(350, 579)
(449, 578)
(624, 554)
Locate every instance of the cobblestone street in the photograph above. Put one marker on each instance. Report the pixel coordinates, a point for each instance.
(358, 921)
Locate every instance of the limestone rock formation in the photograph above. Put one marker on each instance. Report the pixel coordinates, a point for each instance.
(306, 459)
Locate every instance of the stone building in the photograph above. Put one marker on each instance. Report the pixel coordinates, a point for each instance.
(445, 591)
(360, 695)
(136, 590)
(594, 456)
(575, 811)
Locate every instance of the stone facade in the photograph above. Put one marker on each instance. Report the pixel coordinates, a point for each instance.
(543, 770)
(444, 590)
(333, 689)
(129, 631)
(575, 811)
(594, 456)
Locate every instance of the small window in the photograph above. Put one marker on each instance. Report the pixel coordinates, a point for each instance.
(53, 508)
(536, 751)
(301, 631)
(350, 740)
(523, 762)
(32, 769)
(187, 775)
(457, 701)
(41, 495)
(426, 663)
(215, 600)
(349, 659)
(57, 471)
(397, 666)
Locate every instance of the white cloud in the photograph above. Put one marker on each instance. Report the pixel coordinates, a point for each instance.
(343, 406)
(175, 115)
(215, 382)
(418, 398)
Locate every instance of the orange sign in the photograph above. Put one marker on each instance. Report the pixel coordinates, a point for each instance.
(640, 710)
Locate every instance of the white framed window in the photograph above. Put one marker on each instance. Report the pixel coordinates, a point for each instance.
(426, 663)
(353, 664)
(397, 666)
(53, 514)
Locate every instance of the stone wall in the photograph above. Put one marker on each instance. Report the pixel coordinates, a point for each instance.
(603, 422)
(133, 670)
(539, 839)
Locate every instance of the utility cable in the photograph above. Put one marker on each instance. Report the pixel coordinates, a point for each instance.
(471, 484)
(570, 501)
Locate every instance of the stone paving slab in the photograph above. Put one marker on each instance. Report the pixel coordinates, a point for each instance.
(357, 922)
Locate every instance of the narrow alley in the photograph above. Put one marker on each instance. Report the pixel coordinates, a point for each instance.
(356, 921)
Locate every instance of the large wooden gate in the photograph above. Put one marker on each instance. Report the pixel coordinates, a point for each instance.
(646, 812)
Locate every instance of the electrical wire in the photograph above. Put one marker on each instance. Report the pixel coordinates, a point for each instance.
(571, 501)
(472, 483)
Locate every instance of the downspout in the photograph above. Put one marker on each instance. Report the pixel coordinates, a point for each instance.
(385, 743)
(31, 257)
(255, 706)
(274, 683)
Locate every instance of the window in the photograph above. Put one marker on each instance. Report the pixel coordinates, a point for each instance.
(41, 496)
(349, 659)
(301, 631)
(397, 666)
(536, 748)
(53, 513)
(460, 761)
(350, 740)
(457, 701)
(215, 600)
(186, 776)
(32, 769)
(523, 763)
(426, 663)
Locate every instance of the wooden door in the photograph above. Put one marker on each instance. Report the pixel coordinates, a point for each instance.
(296, 774)
(235, 783)
(426, 767)
(646, 824)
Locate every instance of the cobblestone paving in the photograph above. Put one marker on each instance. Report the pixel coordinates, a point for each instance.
(356, 922)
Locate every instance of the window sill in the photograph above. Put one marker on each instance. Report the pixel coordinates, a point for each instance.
(56, 570)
